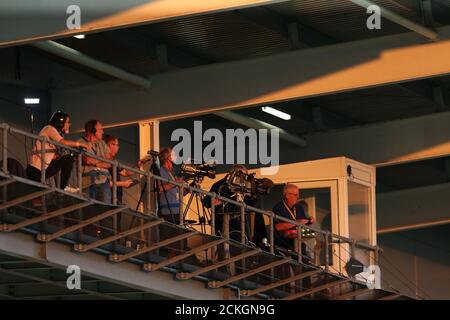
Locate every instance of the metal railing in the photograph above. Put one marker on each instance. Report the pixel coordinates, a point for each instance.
(328, 237)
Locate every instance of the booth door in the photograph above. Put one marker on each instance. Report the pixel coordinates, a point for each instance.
(321, 201)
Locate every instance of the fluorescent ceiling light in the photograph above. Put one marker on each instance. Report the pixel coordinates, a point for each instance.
(32, 100)
(277, 113)
(79, 36)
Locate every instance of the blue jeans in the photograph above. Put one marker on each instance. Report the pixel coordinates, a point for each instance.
(100, 192)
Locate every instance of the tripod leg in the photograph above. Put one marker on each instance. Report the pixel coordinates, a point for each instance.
(226, 245)
(201, 216)
(188, 205)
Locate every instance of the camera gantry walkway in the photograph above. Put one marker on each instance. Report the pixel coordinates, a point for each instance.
(126, 254)
(44, 229)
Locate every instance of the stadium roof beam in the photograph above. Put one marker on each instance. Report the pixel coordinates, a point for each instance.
(257, 124)
(404, 22)
(294, 30)
(83, 59)
(133, 39)
(97, 16)
(414, 208)
(265, 80)
(78, 57)
(385, 143)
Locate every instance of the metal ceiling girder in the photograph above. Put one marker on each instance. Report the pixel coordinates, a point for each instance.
(260, 81)
(258, 124)
(408, 205)
(83, 59)
(30, 20)
(396, 18)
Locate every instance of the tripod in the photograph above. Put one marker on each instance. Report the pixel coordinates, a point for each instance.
(157, 184)
(204, 213)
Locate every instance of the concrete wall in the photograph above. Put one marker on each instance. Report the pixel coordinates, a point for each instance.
(419, 258)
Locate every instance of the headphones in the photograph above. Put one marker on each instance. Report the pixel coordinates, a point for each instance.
(164, 155)
(58, 120)
(90, 127)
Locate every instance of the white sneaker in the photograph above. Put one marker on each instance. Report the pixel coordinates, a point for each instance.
(72, 190)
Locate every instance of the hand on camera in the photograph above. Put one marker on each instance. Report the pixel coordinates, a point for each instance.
(128, 183)
(83, 146)
(179, 180)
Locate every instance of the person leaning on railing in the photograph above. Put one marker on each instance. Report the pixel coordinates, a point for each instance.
(114, 146)
(95, 173)
(169, 196)
(58, 125)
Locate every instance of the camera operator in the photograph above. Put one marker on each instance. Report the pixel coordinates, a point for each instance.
(169, 200)
(223, 189)
(290, 207)
(96, 176)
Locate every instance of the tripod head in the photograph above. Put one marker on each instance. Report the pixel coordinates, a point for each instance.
(153, 154)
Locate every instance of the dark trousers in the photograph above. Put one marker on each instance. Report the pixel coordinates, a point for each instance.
(63, 165)
(100, 192)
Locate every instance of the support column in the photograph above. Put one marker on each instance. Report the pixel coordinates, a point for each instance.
(148, 137)
(148, 140)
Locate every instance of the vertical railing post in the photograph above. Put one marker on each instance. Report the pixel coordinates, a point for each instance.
(148, 191)
(213, 225)
(5, 163)
(299, 243)
(376, 256)
(5, 148)
(242, 223)
(114, 183)
(43, 144)
(271, 233)
(226, 245)
(326, 245)
(353, 249)
(181, 198)
(213, 214)
(79, 171)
